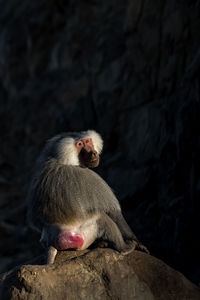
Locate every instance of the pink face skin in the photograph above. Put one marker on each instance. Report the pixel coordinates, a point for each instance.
(88, 156)
(67, 240)
(85, 143)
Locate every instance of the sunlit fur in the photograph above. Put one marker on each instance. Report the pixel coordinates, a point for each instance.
(60, 194)
(54, 179)
(67, 152)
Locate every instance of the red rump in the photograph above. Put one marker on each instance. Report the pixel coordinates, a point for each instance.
(67, 240)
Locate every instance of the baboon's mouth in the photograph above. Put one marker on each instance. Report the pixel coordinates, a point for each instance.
(93, 163)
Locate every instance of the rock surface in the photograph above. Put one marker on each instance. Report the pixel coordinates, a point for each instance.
(98, 274)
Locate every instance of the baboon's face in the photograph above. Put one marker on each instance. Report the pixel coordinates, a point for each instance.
(88, 156)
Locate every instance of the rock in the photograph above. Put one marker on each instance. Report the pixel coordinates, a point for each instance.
(98, 274)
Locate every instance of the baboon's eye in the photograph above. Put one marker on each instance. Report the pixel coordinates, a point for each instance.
(79, 144)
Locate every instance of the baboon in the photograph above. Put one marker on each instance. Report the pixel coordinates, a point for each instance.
(71, 205)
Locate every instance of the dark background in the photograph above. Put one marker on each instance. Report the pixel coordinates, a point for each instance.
(128, 69)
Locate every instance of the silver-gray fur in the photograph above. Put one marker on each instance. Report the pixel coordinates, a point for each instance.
(64, 195)
(60, 193)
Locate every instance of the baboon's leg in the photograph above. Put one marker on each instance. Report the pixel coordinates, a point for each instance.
(124, 228)
(127, 234)
(51, 254)
(109, 231)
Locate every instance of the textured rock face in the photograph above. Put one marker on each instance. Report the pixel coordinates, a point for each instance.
(129, 69)
(99, 274)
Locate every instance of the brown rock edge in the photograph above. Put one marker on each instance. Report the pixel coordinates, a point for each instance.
(98, 274)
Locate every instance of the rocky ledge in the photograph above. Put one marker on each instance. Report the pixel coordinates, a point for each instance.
(97, 274)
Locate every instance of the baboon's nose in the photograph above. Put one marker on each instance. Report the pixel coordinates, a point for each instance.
(94, 154)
